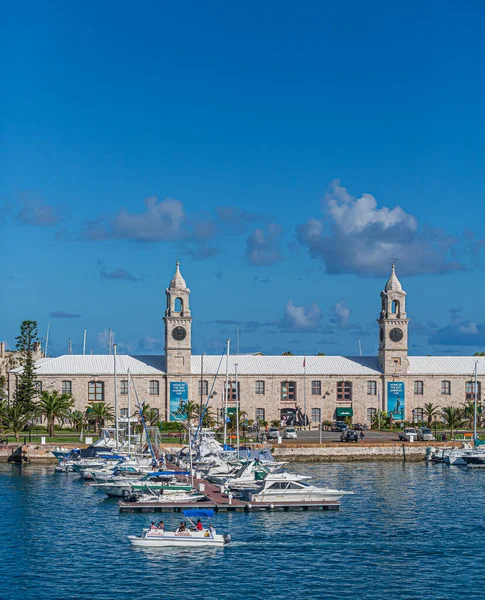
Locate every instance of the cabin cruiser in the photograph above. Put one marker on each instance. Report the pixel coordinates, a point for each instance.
(204, 536)
(164, 481)
(289, 489)
(153, 498)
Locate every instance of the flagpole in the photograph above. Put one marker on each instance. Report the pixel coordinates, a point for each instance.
(225, 395)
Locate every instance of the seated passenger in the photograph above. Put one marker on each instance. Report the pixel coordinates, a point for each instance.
(152, 526)
(199, 525)
(161, 526)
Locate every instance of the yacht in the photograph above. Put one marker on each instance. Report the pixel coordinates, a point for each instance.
(289, 489)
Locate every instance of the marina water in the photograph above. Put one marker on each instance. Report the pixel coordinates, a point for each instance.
(412, 531)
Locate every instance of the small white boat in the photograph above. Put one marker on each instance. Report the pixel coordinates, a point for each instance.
(172, 498)
(193, 537)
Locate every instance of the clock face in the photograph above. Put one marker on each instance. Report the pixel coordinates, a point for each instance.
(179, 333)
(396, 334)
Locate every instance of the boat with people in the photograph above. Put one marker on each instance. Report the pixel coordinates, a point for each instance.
(195, 535)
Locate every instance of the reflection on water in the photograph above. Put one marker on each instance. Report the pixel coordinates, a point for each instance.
(411, 531)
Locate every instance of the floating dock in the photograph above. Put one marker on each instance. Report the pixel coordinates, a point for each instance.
(220, 502)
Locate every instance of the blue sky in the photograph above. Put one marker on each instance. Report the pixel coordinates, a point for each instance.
(283, 151)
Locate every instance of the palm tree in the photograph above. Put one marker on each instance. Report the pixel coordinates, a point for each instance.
(430, 410)
(453, 418)
(15, 419)
(209, 417)
(233, 419)
(188, 409)
(99, 412)
(54, 405)
(380, 419)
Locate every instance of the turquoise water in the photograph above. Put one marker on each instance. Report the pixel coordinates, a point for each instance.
(411, 531)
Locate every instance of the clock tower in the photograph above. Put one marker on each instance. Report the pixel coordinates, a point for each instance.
(393, 328)
(178, 326)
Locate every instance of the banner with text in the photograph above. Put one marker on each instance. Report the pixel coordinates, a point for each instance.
(179, 392)
(395, 399)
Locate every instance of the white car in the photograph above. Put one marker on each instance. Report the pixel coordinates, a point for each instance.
(425, 434)
(405, 434)
(290, 433)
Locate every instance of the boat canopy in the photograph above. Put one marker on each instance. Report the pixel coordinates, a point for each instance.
(197, 513)
(167, 473)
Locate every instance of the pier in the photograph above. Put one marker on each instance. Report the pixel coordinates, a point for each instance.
(221, 502)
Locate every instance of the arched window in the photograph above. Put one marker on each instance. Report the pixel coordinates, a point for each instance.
(396, 309)
(179, 305)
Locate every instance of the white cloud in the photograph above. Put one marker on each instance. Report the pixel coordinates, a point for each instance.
(263, 247)
(341, 315)
(356, 236)
(301, 318)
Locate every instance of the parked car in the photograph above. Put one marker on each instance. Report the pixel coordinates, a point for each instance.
(405, 434)
(273, 433)
(425, 434)
(350, 435)
(360, 427)
(339, 426)
(290, 433)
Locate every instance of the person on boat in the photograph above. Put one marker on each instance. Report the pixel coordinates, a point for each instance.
(154, 464)
(182, 526)
(199, 525)
(153, 526)
(161, 526)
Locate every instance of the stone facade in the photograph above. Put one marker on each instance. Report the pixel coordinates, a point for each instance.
(268, 390)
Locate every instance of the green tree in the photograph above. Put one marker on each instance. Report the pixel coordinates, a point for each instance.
(468, 413)
(150, 415)
(453, 418)
(189, 409)
(15, 419)
(232, 425)
(321, 354)
(287, 353)
(100, 413)
(3, 387)
(275, 422)
(25, 392)
(54, 405)
(430, 410)
(479, 354)
(209, 417)
(380, 420)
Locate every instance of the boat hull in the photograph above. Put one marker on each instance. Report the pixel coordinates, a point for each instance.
(185, 539)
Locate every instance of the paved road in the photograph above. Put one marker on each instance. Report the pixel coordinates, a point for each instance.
(313, 436)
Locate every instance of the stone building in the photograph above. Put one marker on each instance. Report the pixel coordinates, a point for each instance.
(271, 387)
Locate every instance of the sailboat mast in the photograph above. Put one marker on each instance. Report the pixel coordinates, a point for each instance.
(117, 431)
(129, 412)
(475, 405)
(225, 394)
(237, 410)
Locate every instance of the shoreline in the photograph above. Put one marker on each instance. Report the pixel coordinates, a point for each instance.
(326, 452)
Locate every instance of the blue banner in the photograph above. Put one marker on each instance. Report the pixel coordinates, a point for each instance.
(179, 392)
(395, 399)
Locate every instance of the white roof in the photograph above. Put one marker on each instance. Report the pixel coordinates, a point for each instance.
(249, 364)
(99, 364)
(445, 365)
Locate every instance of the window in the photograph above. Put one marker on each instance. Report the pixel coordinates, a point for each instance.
(419, 388)
(446, 387)
(231, 391)
(396, 360)
(260, 414)
(154, 388)
(372, 388)
(288, 391)
(316, 415)
(205, 387)
(124, 412)
(371, 413)
(344, 390)
(418, 415)
(96, 391)
(124, 387)
(470, 391)
(259, 388)
(38, 387)
(66, 387)
(316, 388)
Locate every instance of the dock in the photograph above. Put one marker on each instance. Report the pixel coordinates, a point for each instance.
(220, 502)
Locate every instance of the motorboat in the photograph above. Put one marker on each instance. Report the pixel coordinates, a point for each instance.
(154, 499)
(162, 481)
(473, 461)
(287, 489)
(205, 536)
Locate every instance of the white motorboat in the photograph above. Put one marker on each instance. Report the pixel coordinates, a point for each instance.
(161, 498)
(287, 489)
(193, 537)
(163, 481)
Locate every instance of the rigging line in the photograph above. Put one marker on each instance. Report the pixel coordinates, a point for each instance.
(152, 452)
(204, 409)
